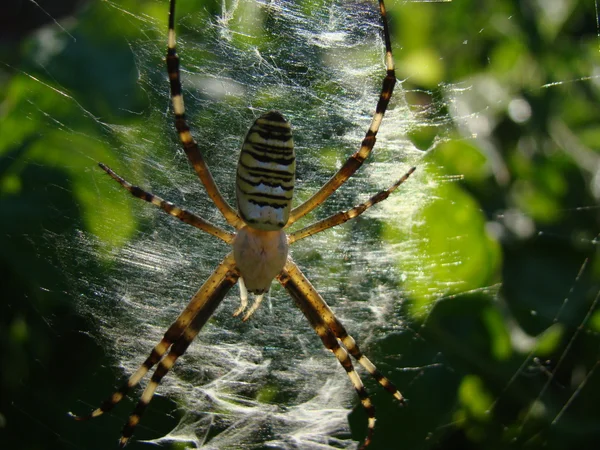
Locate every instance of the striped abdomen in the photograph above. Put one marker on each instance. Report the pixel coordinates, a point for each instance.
(266, 172)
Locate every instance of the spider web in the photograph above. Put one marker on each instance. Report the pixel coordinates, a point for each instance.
(439, 284)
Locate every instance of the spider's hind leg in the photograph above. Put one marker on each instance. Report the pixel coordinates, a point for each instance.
(355, 161)
(190, 146)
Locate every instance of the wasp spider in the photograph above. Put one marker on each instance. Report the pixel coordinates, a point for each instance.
(264, 188)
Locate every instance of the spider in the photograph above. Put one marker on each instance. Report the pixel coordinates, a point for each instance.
(264, 189)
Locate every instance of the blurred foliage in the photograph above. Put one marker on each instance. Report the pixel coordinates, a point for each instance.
(507, 271)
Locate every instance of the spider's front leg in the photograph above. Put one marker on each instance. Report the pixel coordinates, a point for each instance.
(174, 343)
(334, 337)
(290, 282)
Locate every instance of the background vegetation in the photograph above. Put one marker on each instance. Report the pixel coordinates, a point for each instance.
(507, 96)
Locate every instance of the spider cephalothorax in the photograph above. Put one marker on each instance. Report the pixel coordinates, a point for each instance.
(264, 187)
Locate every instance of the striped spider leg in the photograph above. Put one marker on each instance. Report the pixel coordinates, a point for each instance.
(354, 162)
(264, 189)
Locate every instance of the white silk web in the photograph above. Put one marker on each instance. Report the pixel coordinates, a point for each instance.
(267, 382)
(428, 282)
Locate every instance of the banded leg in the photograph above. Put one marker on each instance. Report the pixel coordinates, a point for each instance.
(331, 343)
(170, 208)
(355, 161)
(155, 356)
(311, 296)
(190, 146)
(344, 216)
(210, 303)
(210, 291)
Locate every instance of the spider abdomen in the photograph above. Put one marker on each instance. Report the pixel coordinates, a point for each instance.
(266, 172)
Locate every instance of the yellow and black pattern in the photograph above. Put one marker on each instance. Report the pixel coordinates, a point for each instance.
(297, 290)
(265, 185)
(182, 214)
(292, 278)
(355, 161)
(266, 172)
(345, 216)
(217, 288)
(174, 342)
(190, 146)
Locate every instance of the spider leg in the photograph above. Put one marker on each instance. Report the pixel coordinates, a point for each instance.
(314, 316)
(190, 146)
(355, 161)
(312, 297)
(170, 208)
(202, 303)
(179, 347)
(155, 356)
(344, 216)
